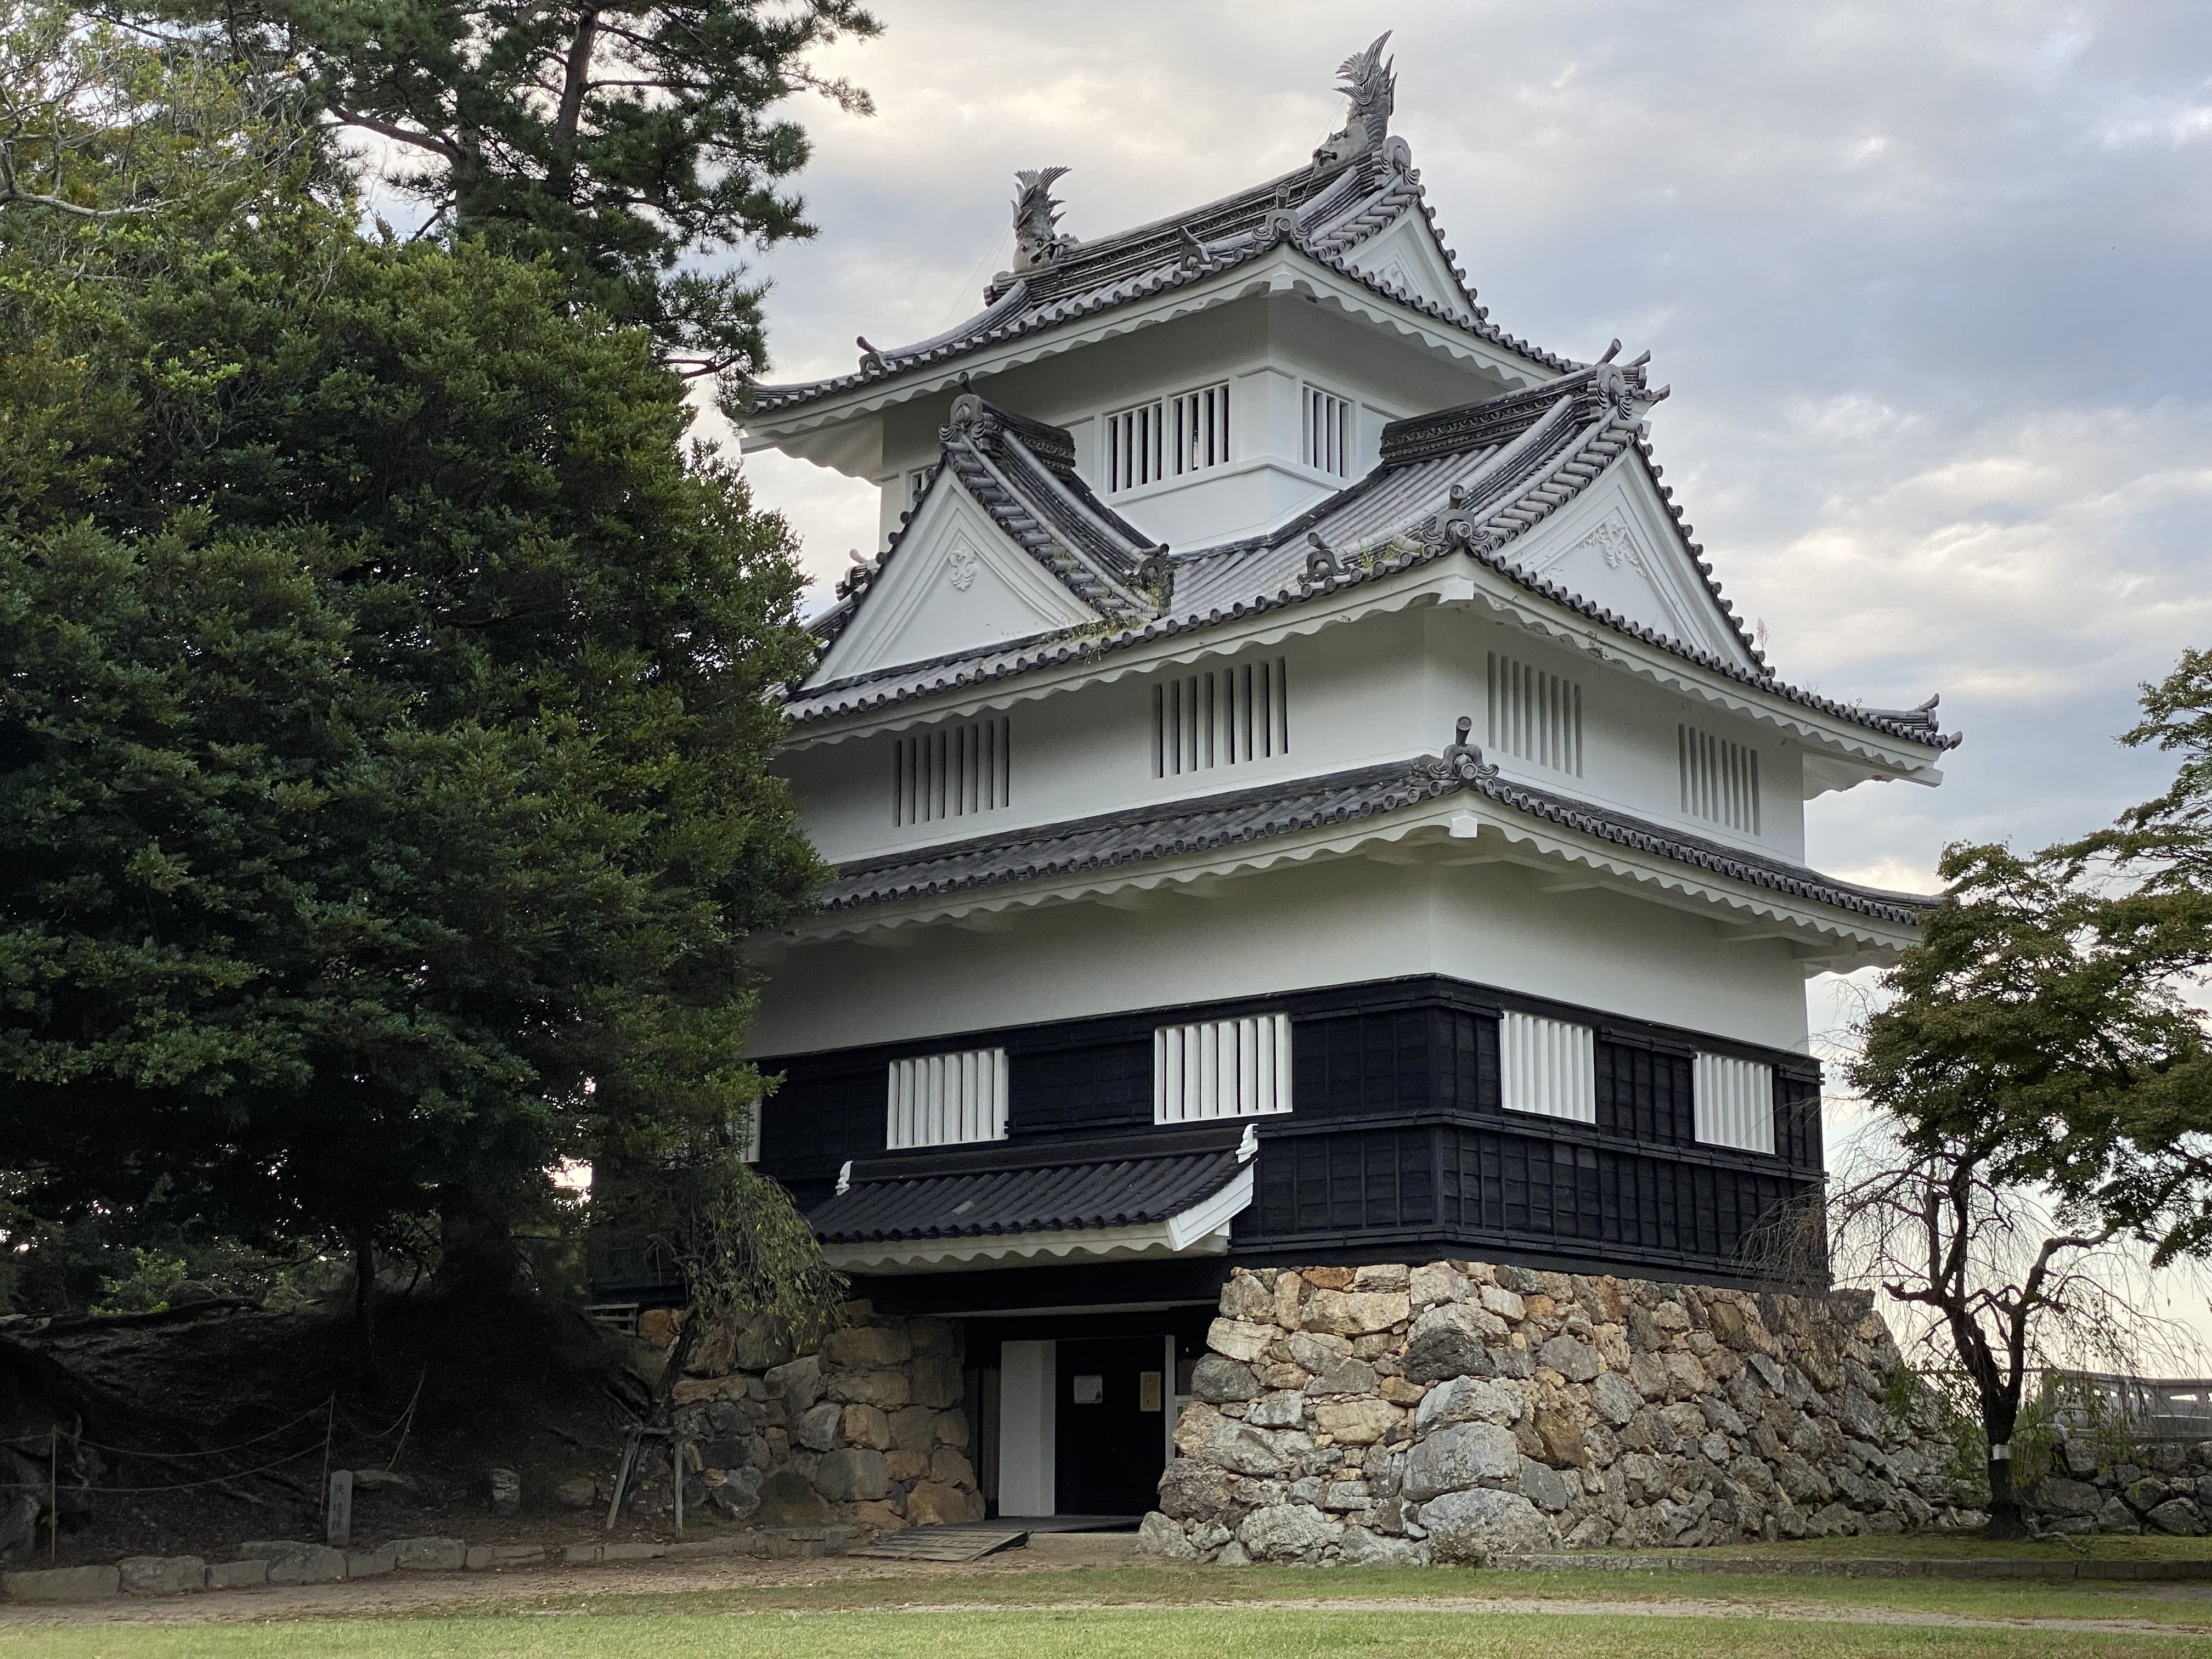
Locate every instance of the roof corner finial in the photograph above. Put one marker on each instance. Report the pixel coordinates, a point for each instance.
(1037, 239)
(1461, 757)
(871, 361)
(1372, 87)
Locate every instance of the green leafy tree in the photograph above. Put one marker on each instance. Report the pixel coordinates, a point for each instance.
(384, 733)
(2043, 1091)
(625, 141)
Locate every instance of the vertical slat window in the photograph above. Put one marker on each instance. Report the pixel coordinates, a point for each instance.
(1167, 438)
(1735, 1102)
(1547, 1066)
(943, 1100)
(953, 771)
(1329, 432)
(1720, 779)
(1221, 1068)
(1535, 715)
(1224, 717)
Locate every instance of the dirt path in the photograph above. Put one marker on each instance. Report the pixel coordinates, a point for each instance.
(553, 1591)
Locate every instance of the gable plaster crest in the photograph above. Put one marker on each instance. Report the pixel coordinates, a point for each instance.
(1616, 543)
(960, 566)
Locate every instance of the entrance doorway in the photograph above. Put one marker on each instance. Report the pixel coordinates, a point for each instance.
(1109, 1433)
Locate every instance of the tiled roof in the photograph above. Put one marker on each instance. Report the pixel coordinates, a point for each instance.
(1021, 472)
(1246, 815)
(1068, 1195)
(1321, 214)
(1468, 480)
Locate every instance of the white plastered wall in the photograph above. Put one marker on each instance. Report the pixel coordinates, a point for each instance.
(1343, 921)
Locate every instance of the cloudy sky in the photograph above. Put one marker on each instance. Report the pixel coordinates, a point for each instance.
(1929, 281)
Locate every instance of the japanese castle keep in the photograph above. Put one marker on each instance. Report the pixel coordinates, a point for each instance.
(1298, 800)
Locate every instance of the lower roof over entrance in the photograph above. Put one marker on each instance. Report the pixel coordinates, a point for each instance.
(1157, 1195)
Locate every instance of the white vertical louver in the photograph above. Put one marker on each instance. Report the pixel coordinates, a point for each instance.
(1547, 1066)
(1329, 432)
(953, 771)
(1535, 715)
(1222, 1068)
(1224, 717)
(942, 1100)
(1735, 1102)
(1720, 779)
(1167, 438)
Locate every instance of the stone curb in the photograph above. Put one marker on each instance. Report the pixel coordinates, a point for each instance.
(1857, 1566)
(304, 1562)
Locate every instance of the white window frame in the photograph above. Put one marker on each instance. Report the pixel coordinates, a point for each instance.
(1732, 1103)
(1215, 1069)
(945, 1099)
(1547, 1068)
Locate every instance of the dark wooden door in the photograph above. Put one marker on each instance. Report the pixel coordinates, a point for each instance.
(1111, 1425)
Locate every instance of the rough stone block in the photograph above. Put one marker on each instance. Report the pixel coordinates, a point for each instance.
(632, 1551)
(866, 1425)
(885, 1388)
(1469, 1528)
(1497, 1299)
(880, 1516)
(1469, 1400)
(817, 1428)
(788, 1499)
(1544, 1486)
(1284, 1409)
(914, 1428)
(369, 1564)
(237, 1575)
(1158, 1535)
(1357, 1420)
(1355, 1313)
(505, 1491)
(933, 1503)
(1446, 1342)
(1459, 1456)
(1344, 1376)
(62, 1584)
(1362, 1548)
(852, 1474)
(161, 1575)
(905, 1464)
(950, 1467)
(291, 1562)
(1287, 1532)
(1221, 1380)
(797, 1385)
(1382, 1276)
(868, 1347)
(1244, 1297)
(1238, 1340)
(936, 1380)
(1579, 1362)
(2177, 1516)
(1190, 1490)
(429, 1554)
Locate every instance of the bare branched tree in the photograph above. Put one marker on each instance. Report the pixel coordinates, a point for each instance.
(2006, 1284)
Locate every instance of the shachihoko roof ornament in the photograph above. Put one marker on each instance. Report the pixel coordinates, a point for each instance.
(1038, 238)
(1372, 87)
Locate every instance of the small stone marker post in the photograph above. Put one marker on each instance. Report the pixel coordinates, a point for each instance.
(339, 1516)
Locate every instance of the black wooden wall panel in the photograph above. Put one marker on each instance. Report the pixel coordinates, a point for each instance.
(1645, 1095)
(1373, 1179)
(1364, 1062)
(1797, 1122)
(817, 1119)
(1107, 1085)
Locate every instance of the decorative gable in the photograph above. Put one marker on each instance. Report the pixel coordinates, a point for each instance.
(1618, 548)
(954, 582)
(1408, 256)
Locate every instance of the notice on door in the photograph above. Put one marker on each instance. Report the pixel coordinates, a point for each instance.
(1148, 1391)
(1090, 1390)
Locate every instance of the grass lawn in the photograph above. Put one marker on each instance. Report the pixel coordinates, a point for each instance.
(1213, 1633)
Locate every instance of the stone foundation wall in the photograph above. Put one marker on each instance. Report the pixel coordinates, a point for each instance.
(868, 1432)
(1446, 1413)
(2097, 1486)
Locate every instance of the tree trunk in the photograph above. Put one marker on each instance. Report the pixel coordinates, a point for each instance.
(2006, 1519)
(364, 1308)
